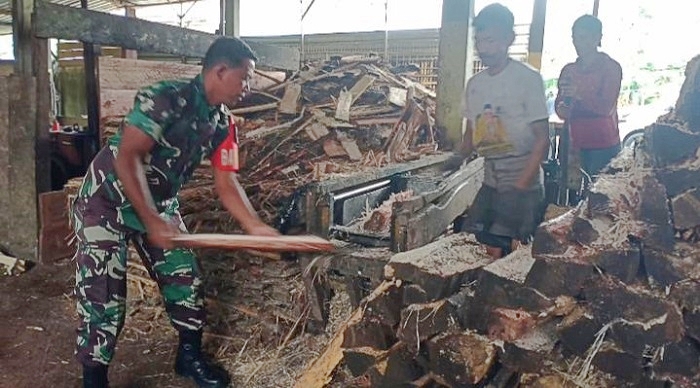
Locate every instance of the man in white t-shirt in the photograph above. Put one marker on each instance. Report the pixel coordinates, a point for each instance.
(506, 111)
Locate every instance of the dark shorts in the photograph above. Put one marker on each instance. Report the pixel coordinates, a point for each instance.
(498, 218)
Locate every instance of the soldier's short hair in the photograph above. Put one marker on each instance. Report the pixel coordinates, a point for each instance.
(494, 15)
(229, 50)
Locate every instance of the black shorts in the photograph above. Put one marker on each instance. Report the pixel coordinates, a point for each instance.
(498, 218)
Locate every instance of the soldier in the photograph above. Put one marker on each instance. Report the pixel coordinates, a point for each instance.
(130, 194)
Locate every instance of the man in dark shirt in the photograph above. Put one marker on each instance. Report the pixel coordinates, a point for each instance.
(130, 194)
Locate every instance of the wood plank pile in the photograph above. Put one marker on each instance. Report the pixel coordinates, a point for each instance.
(332, 118)
(607, 296)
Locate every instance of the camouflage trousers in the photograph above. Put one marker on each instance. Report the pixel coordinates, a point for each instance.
(101, 278)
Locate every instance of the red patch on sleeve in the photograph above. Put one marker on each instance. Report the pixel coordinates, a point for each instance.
(225, 158)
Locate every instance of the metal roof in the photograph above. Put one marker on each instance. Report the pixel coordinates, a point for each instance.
(95, 5)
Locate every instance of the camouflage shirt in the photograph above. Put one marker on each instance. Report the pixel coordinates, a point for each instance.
(186, 130)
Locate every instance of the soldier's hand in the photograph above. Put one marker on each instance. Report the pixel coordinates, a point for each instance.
(160, 233)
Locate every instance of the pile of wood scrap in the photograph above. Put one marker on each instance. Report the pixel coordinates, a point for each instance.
(378, 220)
(333, 118)
(606, 296)
(329, 119)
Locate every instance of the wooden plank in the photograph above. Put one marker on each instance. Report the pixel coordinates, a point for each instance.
(316, 131)
(416, 229)
(262, 243)
(290, 101)
(337, 184)
(55, 229)
(376, 121)
(397, 96)
(254, 108)
(22, 236)
(40, 57)
(116, 103)
(320, 372)
(63, 22)
(361, 86)
(342, 111)
(4, 161)
(351, 148)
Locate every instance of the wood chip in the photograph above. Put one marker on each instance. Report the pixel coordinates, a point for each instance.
(290, 101)
(352, 150)
(345, 100)
(316, 131)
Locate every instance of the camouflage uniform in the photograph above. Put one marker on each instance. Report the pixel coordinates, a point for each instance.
(186, 130)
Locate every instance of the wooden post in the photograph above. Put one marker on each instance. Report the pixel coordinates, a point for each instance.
(455, 63)
(40, 57)
(25, 165)
(232, 18)
(596, 7)
(4, 161)
(22, 241)
(536, 40)
(129, 12)
(22, 34)
(89, 63)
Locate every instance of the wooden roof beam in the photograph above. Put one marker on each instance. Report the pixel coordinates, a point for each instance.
(63, 22)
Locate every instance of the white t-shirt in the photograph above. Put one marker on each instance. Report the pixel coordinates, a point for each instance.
(501, 108)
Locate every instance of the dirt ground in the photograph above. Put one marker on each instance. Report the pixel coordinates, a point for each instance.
(257, 317)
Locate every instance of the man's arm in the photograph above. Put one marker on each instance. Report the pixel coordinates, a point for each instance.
(235, 200)
(134, 147)
(463, 150)
(539, 151)
(466, 147)
(563, 110)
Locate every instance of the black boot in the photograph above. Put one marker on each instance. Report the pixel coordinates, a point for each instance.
(191, 363)
(95, 376)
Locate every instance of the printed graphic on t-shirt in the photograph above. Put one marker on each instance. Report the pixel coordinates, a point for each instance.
(490, 135)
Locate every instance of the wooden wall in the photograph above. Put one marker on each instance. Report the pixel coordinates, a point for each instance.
(119, 79)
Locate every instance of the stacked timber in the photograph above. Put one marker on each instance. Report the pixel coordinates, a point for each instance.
(608, 295)
(330, 119)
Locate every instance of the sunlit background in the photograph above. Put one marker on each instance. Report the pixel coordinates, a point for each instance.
(643, 35)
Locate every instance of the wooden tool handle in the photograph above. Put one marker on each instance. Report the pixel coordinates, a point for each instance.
(260, 243)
